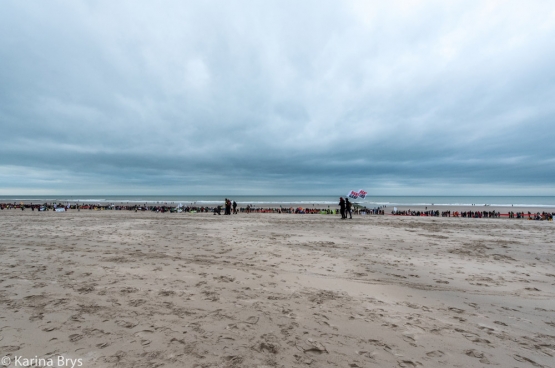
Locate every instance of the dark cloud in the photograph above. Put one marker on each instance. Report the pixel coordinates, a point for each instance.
(403, 98)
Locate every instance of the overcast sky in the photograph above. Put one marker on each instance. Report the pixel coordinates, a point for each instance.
(277, 97)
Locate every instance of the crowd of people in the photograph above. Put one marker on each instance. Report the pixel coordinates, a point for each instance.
(436, 213)
(533, 216)
(229, 207)
(346, 210)
(477, 214)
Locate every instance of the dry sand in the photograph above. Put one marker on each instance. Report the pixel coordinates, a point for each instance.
(125, 289)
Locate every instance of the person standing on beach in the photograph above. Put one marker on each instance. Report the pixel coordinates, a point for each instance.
(227, 207)
(342, 207)
(349, 207)
(234, 207)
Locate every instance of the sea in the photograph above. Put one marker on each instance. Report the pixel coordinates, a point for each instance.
(286, 200)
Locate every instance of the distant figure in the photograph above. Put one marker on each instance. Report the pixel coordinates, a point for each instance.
(342, 207)
(234, 207)
(349, 207)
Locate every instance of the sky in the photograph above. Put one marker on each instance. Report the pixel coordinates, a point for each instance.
(277, 97)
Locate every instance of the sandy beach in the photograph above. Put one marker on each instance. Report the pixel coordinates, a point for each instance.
(125, 289)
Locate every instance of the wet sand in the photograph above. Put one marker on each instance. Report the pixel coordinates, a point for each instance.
(125, 289)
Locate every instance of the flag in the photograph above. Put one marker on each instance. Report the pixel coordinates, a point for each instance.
(353, 194)
(362, 194)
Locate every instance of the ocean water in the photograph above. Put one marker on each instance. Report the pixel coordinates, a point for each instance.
(307, 200)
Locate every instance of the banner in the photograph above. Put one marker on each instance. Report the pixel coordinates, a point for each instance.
(362, 194)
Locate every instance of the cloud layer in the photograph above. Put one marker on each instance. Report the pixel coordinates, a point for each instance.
(277, 97)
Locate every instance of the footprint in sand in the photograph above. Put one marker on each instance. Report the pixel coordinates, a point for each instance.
(166, 293)
(477, 354)
(126, 324)
(367, 354)
(75, 337)
(477, 340)
(528, 360)
(410, 339)
(86, 289)
(128, 290)
(408, 363)
(435, 354)
(136, 302)
(9, 348)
